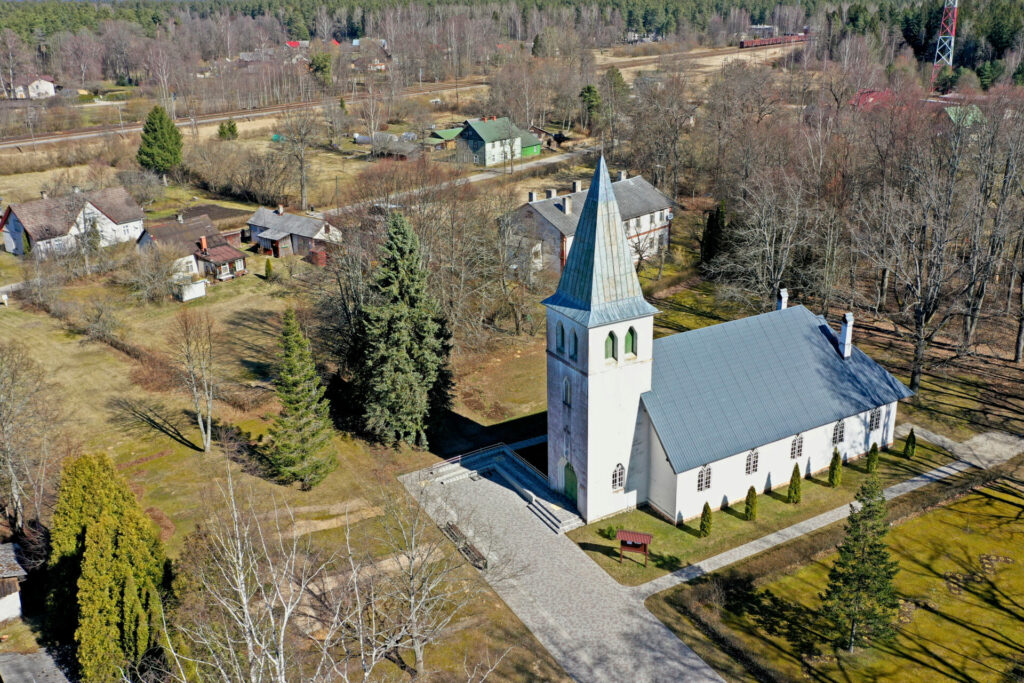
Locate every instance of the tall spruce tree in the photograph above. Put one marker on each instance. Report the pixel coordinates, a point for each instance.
(106, 570)
(860, 600)
(160, 149)
(302, 430)
(402, 347)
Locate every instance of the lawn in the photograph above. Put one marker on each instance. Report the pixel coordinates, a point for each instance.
(961, 575)
(152, 440)
(10, 268)
(675, 547)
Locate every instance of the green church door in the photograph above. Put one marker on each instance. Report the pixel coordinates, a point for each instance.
(570, 483)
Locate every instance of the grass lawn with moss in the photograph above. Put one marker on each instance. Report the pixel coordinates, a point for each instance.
(676, 546)
(961, 575)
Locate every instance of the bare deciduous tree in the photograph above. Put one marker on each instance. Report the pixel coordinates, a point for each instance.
(195, 349)
(301, 130)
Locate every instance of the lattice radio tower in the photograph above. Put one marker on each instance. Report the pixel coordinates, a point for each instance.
(947, 34)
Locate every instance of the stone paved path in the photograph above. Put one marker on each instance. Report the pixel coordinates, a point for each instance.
(596, 629)
(983, 450)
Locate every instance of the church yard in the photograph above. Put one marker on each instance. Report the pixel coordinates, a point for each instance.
(677, 546)
(961, 568)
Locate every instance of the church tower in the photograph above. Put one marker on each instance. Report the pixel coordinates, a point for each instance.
(600, 332)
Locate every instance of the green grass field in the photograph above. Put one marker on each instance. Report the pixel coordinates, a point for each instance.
(961, 577)
(675, 547)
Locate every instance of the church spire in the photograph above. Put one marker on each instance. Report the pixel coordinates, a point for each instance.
(599, 285)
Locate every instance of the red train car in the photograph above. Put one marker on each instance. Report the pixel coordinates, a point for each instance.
(779, 40)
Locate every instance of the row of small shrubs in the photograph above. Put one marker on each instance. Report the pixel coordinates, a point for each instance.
(794, 493)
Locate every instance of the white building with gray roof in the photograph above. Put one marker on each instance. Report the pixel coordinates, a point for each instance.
(697, 417)
(546, 225)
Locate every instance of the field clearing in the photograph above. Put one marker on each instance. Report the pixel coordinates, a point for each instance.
(961, 570)
(677, 546)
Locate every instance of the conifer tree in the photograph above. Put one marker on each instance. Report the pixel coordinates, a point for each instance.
(750, 506)
(910, 445)
(793, 495)
(860, 600)
(268, 269)
(705, 521)
(714, 234)
(106, 568)
(302, 431)
(873, 459)
(835, 469)
(160, 149)
(402, 347)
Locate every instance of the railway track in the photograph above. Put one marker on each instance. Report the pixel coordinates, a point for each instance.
(31, 141)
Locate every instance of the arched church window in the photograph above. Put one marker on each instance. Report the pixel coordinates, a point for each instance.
(618, 477)
(560, 338)
(796, 449)
(611, 346)
(704, 478)
(876, 419)
(566, 392)
(839, 432)
(631, 342)
(752, 462)
(573, 345)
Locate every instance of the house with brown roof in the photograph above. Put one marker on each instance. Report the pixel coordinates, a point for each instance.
(181, 237)
(222, 261)
(57, 225)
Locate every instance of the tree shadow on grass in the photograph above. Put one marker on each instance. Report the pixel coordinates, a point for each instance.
(774, 615)
(693, 531)
(136, 415)
(781, 497)
(733, 512)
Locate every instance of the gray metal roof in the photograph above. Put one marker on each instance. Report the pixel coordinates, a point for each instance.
(635, 196)
(727, 388)
(287, 222)
(599, 284)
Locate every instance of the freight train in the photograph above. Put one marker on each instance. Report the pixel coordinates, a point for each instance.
(779, 40)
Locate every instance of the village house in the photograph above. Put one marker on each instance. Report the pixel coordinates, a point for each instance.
(182, 238)
(546, 226)
(219, 259)
(34, 88)
(55, 225)
(697, 417)
(493, 140)
(11, 576)
(279, 233)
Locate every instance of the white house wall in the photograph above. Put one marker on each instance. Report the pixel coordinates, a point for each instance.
(663, 481)
(729, 480)
(111, 233)
(10, 606)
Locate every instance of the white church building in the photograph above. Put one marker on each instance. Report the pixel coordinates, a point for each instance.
(696, 417)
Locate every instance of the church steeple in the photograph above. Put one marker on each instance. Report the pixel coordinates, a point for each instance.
(599, 284)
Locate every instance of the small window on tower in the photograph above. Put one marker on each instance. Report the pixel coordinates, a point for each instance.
(573, 345)
(611, 344)
(566, 392)
(560, 338)
(631, 342)
(618, 477)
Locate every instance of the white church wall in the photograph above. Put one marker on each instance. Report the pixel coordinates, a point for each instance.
(663, 480)
(729, 480)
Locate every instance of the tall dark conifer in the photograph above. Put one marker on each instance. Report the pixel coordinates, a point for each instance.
(400, 356)
(860, 599)
(302, 431)
(160, 149)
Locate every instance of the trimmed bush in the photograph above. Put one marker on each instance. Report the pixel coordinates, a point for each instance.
(705, 521)
(835, 470)
(793, 495)
(873, 459)
(910, 446)
(750, 508)
(268, 270)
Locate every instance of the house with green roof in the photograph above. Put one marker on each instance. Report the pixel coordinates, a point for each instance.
(493, 140)
(445, 138)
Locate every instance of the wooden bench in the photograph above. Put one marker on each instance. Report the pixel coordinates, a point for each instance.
(468, 550)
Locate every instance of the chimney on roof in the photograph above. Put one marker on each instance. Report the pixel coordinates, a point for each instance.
(202, 243)
(280, 209)
(846, 336)
(551, 193)
(43, 194)
(622, 175)
(180, 217)
(577, 186)
(567, 204)
(782, 300)
(531, 197)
